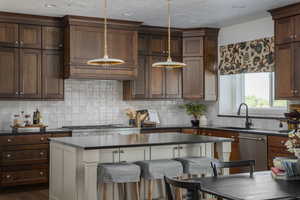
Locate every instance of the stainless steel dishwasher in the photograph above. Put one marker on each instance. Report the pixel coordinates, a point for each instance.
(254, 147)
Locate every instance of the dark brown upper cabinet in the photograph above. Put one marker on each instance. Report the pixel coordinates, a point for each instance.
(52, 37)
(287, 51)
(84, 41)
(30, 36)
(27, 71)
(155, 83)
(200, 53)
(52, 75)
(9, 35)
(9, 72)
(30, 73)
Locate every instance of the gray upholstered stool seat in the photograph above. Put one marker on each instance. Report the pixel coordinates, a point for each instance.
(195, 165)
(157, 169)
(118, 173)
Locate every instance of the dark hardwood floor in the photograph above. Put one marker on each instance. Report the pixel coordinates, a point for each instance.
(25, 193)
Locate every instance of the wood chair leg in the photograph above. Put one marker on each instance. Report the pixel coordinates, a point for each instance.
(178, 194)
(137, 191)
(104, 188)
(150, 189)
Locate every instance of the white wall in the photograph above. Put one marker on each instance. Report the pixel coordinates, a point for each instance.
(247, 31)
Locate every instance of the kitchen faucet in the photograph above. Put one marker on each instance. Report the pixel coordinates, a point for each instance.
(248, 123)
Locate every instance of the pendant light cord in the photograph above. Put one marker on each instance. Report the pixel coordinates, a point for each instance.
(105, 29)
(169, 31)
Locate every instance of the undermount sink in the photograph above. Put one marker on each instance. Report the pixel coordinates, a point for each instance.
(237, 128)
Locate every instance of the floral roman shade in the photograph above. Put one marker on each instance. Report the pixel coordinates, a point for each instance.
(247, 57)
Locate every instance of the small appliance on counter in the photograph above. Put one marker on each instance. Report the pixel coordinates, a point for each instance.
(24, 121)
(142, 118)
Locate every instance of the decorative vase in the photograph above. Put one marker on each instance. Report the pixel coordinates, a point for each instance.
(195, 123)
(203, 120)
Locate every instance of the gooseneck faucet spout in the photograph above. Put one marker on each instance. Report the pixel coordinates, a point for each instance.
(248, 123)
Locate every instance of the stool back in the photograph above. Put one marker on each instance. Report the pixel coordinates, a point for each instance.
(192, 188)
(242, 163)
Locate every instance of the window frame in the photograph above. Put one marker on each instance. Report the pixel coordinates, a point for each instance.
(239, 97)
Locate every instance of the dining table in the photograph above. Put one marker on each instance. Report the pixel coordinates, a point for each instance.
(262, 186)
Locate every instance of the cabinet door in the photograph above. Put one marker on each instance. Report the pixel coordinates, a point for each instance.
(31, 36)
(86, 43)
(173, 83)
(176, 46)
(9, 35)
(193, 46)
(193, 78)
(164, 152)
(284, 71)
(158, 45)
(143, 44)
(156, 78)
(192, 150)
(134, 154)
(284, 30)
(52, 75)
(109, 156)
(52, 37)
(297, 28)
(140, 84)
(123, 45)
(296, 69)
(9, 70)
(30, 73)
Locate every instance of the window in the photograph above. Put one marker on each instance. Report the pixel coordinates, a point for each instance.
(255, 89)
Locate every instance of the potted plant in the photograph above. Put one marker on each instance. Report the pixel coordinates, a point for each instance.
(195, 110)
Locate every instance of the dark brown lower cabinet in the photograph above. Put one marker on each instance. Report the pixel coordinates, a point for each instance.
(24, 159)
(52, 75)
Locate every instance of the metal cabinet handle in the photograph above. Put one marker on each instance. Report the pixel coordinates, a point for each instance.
(21, 43)
(42, 139)
(9, 140)
(16, 43)
(60, 45)
(282, 142)
(114, 152)
(8, 155)
(250, 138)
(296, 91)
(41, 173)
(121, 151)
(41, 153)
(8, 176)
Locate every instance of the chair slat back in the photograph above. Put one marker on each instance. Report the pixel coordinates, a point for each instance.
(192, 188)
(233, 164)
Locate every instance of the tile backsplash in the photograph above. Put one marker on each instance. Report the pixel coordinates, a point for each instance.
(91, 102)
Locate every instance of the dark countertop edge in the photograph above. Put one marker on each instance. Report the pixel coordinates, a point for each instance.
(48, 131)
(141, 145)
(254, 117)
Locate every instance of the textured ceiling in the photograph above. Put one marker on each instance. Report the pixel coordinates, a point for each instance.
(185, 13)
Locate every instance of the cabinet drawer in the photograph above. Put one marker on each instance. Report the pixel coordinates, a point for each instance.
(277, 141)
(20, 177)
(24, 139)
(24, 157)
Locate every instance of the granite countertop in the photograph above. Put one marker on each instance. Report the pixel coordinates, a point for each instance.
(136, 140)
(33, 131)
(258, 131)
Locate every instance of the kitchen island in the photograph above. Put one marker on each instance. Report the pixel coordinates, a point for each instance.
(74, 160)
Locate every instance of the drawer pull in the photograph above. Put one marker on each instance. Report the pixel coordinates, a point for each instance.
(41, 153)
(8, 176)
(42, 139)
(121, 151)
(42, 173)
(9, 140)
(8, 155)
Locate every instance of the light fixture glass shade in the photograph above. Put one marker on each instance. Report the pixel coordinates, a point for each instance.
(169, 64)
(105, 61)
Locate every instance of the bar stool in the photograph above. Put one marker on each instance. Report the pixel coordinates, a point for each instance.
(157, 169)
(196, 165)
(121, 174)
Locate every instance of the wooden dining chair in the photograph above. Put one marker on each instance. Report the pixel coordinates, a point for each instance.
(233, 164)
(192, 189)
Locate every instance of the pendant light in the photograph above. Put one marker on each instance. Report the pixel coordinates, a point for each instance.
(169, 64)
(105, 61)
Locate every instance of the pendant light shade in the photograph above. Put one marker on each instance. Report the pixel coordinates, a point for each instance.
(169, 64)
(105, 61)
